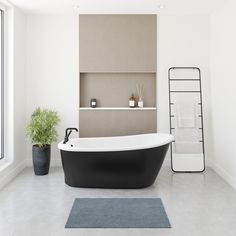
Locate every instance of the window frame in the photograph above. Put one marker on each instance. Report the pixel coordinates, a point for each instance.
(2, 82)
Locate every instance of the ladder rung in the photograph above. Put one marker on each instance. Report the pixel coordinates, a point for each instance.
(184, 79)
(185, 91)
(199, 141)
(174, 104)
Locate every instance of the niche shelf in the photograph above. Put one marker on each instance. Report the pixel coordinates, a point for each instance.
(115, 89)
(118, 109)
(112, 116)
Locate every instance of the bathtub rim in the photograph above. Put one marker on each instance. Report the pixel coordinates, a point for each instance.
(167, 139)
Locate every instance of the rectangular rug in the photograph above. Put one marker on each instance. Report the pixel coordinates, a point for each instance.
(118, 213)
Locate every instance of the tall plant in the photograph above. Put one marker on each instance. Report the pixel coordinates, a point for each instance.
(42, 127)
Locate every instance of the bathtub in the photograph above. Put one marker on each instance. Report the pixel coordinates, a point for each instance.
(114, 162)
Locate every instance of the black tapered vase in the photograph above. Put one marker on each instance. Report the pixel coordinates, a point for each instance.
(41, 159)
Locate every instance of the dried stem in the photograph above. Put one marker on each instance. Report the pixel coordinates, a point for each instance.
(140, 90)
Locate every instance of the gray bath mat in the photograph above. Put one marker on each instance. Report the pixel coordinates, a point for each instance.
(118, 213)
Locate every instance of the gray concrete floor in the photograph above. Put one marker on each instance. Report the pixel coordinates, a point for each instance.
(196, 204)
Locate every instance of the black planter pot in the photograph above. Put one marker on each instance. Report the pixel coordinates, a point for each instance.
(41, 159)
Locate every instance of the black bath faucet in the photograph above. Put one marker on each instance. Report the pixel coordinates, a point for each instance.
(67, 134)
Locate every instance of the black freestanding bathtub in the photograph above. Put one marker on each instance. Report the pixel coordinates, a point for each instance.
(114, 162)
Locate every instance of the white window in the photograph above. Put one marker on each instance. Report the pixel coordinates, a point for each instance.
(2, 82)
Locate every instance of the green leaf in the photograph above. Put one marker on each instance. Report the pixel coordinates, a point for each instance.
(42, 127)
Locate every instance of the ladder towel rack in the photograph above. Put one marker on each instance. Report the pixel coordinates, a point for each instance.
(186, 82)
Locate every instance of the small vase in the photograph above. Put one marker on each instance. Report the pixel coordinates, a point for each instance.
(93, 102)
(140, 103)
(132, 101)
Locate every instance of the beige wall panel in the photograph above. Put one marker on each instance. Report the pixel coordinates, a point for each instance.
(116, 123)
(115, 89)
(117, 43)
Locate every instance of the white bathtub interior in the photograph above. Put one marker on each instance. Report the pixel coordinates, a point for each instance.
(119, 143)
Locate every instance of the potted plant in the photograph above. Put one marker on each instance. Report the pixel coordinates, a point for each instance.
(42, 132)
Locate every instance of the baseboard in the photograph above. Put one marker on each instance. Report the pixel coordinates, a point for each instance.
(224, 174)
(12, 173)
(209, 163)
(53, 163)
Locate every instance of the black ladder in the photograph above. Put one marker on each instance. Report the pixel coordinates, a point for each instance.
(176, 88)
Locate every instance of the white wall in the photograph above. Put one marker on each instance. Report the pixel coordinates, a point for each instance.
(183, 40)
(15, 151)
(52, 70)
(223, 84)
(52, 64)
